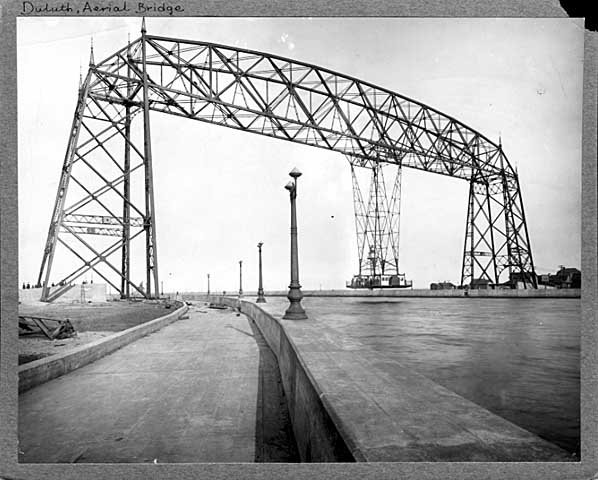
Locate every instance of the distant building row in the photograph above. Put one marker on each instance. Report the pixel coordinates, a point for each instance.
(563, 278)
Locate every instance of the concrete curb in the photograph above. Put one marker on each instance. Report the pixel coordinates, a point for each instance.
(341, 429)
(39, 371)
(320, 433)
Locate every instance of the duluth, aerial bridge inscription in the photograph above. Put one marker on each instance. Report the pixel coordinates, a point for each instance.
(105, 197)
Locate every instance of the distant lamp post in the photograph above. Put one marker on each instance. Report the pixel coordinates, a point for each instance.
(295, 310)
(170, 280)
(260, 288)
(208, 283)
(240, 278)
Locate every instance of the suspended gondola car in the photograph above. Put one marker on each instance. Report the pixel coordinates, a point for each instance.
(380, 281)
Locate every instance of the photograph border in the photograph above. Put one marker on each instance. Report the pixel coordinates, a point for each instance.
(10, 468)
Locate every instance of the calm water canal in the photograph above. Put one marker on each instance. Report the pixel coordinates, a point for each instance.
(518, 358)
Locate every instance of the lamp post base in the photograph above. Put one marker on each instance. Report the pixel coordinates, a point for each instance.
(260, 298)
(294, 313)
(295, 310)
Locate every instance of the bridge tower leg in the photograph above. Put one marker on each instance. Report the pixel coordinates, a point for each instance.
(519, 258)
(150, 217)
(125, 291)
(496, 236)
(92, 207)
(43, 279)
(479, 251)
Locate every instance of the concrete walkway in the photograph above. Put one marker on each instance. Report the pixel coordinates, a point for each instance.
(204, 389)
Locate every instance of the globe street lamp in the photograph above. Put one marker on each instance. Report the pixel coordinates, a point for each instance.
(295, 310)
(260, 288)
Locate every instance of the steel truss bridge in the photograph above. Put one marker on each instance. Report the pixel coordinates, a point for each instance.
(105, 197)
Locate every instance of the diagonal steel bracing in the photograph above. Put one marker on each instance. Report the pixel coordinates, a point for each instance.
(377, 222)
(281, 98)
(95, 201)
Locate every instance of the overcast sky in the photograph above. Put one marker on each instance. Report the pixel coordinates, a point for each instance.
(219, 191)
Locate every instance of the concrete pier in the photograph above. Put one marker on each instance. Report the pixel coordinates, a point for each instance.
(203, 389)
(349, 403)
(422, 292)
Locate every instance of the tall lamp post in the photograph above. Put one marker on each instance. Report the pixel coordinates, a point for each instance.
(260, 288)
(208, 283)
(240, 278)
(295, 310)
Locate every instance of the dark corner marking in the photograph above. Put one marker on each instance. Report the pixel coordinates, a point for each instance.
(577, 9)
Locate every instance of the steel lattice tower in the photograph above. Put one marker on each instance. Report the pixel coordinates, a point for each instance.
(378, 222)
(103, 177)
(105, 199)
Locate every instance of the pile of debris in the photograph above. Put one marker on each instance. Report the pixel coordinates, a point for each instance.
(52, 328)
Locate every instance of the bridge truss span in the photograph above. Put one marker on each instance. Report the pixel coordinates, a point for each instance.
(298, 102)
(280, 98)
